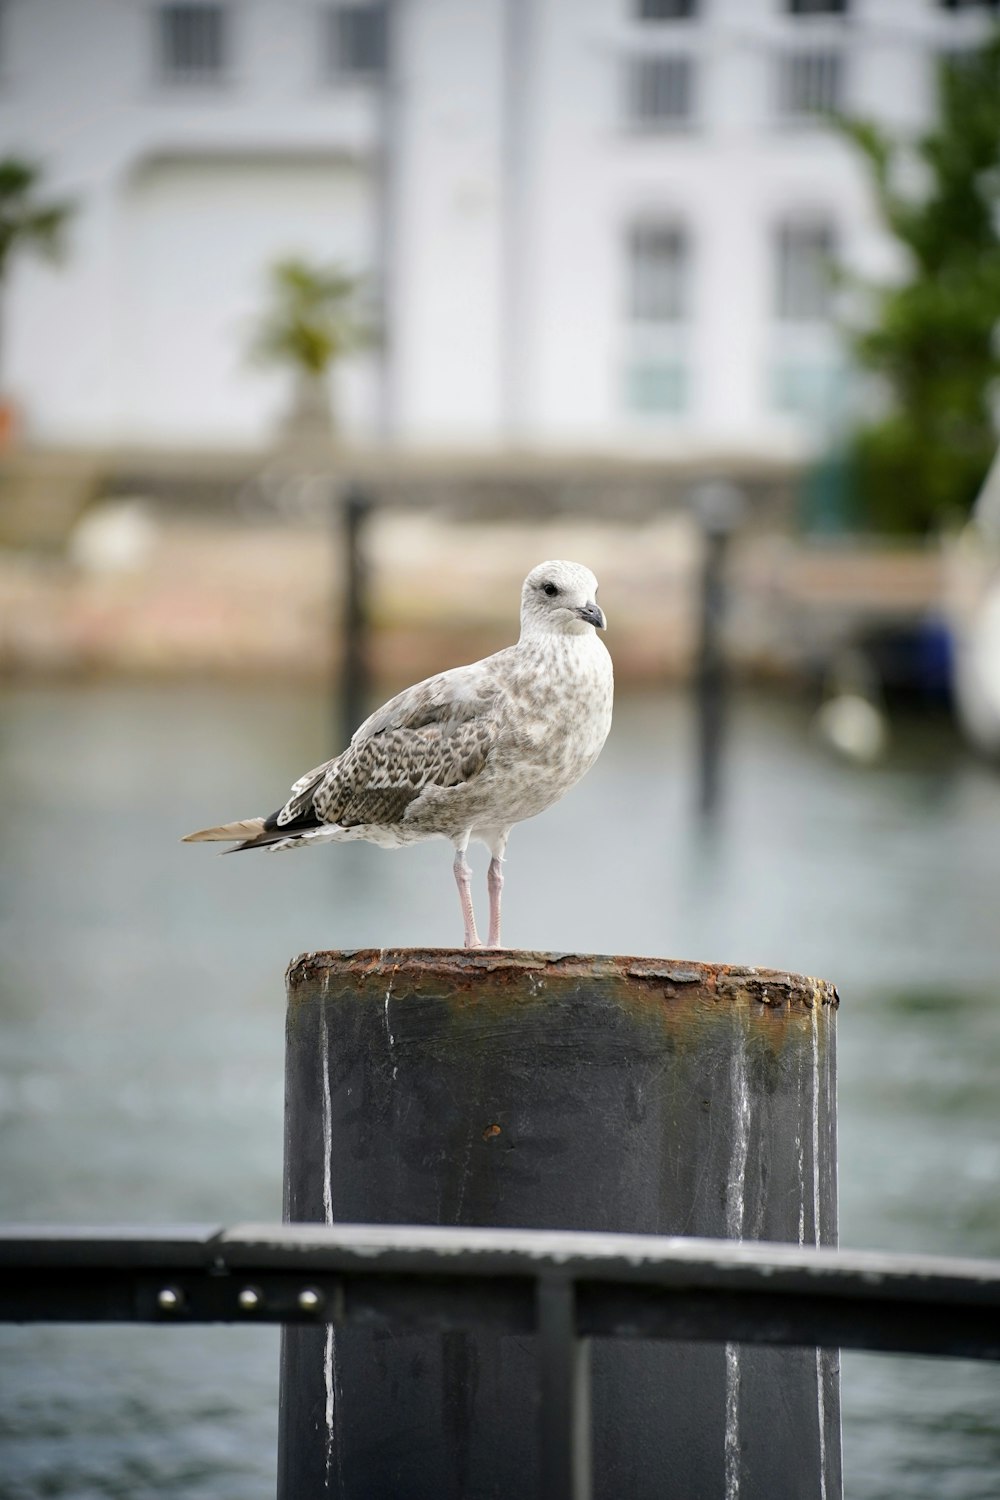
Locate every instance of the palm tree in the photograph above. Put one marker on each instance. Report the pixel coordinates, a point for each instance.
(316, 316)
(28, 223)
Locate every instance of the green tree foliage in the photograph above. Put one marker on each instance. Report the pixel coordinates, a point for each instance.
(933, 337)
(315, 317)
(27, 222)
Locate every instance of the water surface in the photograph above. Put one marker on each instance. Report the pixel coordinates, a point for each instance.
(141, 1019)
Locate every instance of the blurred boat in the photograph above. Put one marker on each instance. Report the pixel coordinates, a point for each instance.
(972, 601)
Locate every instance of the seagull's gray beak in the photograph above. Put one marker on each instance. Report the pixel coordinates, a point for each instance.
(594, 615)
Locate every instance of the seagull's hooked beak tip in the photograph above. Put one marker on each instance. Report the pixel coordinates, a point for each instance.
(594, 615)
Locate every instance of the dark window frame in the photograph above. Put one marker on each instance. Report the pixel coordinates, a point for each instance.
(804, 292)
(795, 85)
(355, 40)
(652, 80)
(666, 10)
(805, 8)
(193, 41)
(659, 273)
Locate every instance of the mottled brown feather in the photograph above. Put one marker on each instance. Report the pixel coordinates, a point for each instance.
(377, 778)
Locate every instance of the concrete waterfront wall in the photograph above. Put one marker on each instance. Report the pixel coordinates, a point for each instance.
(557, 1091)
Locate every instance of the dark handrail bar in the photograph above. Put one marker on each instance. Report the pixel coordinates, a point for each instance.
(625, 1286)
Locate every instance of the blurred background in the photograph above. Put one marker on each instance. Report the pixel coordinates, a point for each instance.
(320, 324)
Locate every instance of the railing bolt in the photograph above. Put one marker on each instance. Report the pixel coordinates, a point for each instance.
(169, 1299)
(249, 1299)
(309, 1299)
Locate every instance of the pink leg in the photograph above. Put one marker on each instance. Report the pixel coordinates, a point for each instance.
(494, 884)
(463, 879)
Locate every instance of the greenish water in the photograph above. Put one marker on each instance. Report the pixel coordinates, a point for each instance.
(141, 1017)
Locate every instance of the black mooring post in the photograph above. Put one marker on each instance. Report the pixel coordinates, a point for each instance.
(718, 507)
(354, 670)
(532, 1090)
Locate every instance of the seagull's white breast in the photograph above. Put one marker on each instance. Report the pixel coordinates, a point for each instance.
(556, 717)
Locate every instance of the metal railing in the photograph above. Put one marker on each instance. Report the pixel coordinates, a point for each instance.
(564, 1287)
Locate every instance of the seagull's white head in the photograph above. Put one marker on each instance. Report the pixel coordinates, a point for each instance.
(560, 598)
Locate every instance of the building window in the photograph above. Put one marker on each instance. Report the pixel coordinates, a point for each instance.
(993, 5)
(660, 91)
(355, 40)
(666, 10)
(656, 387)
(813, 390)
(817, 7)
(803, 283)
(192, 43)
(656, 371)
(810, 84)
(658, 274)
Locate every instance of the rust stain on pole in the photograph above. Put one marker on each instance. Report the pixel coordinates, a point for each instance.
(680, 994)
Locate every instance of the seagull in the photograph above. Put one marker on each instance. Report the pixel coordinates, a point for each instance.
(468, 753)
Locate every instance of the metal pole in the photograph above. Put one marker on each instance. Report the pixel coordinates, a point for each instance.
(718, 507)
(546, 1091)
(354, 670)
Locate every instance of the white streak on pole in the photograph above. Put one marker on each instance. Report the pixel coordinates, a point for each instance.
(329, 1367)
(820, 1389)
(735, 1210)
(388, 1029)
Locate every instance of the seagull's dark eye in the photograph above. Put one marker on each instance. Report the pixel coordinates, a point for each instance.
(551, 589)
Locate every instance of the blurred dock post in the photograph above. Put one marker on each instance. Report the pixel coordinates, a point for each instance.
(718, 508)
(556, 1091)
(355, 677)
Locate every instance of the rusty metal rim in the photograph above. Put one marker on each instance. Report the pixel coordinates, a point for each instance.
(768, 987)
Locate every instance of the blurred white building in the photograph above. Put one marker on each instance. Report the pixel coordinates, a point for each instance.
(600, 224)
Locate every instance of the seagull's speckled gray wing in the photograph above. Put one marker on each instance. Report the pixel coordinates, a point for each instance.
(436, 733)
(450, 698)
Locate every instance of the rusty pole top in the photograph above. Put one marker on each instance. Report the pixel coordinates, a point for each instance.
(458, 970)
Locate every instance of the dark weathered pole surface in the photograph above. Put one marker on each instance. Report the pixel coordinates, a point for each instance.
(557, 1092)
